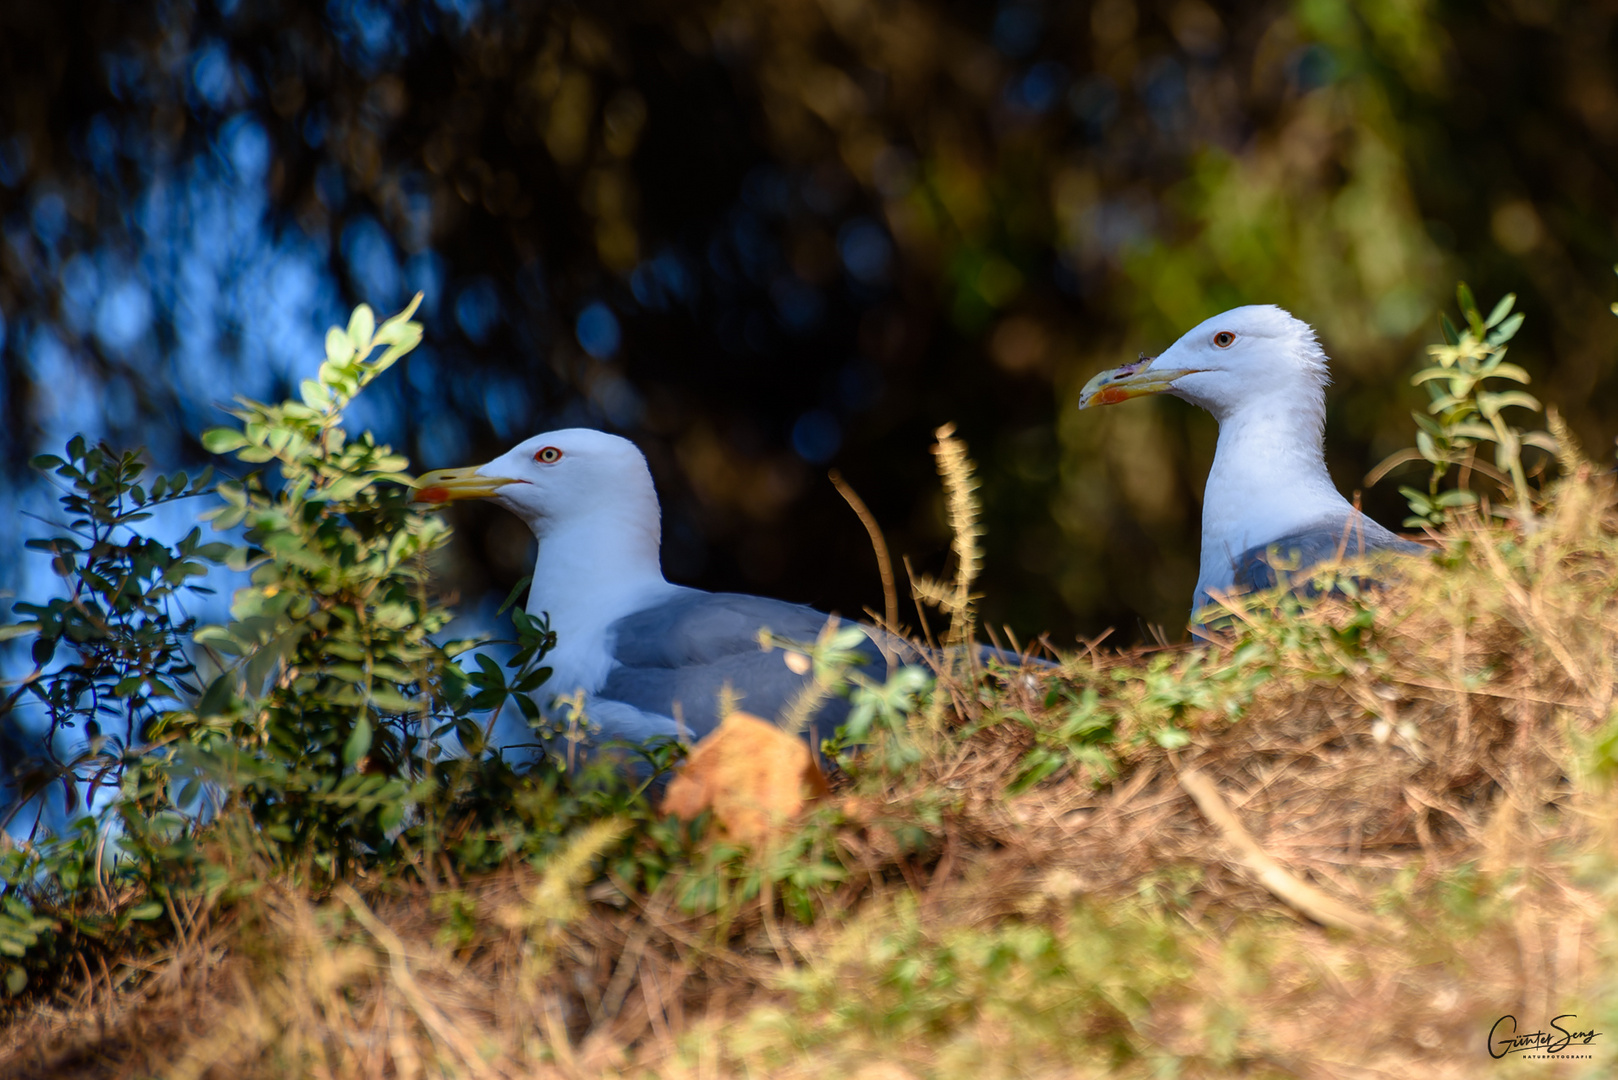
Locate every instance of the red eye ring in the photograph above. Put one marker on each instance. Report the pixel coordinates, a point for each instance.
(1224, 339)
(548, 455)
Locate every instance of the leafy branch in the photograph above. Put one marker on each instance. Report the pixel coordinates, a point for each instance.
(1465, 411)
(120, 617)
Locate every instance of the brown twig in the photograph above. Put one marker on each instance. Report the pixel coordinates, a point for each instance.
(879, 545)
(1280, 882)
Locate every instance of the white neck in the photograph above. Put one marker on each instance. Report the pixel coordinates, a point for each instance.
(1268, 479)
(590, 572)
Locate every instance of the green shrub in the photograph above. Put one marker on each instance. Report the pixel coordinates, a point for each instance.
(317, 714)
(1466, 411)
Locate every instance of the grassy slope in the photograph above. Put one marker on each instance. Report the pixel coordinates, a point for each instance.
(1431, 772)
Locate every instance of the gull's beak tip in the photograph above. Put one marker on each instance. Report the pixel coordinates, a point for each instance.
(450, 485)
(1100, 390)
(1092, 396)
(1129, 381)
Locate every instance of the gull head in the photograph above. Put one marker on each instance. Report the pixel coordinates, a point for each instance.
(555, 479)
(1257, 355)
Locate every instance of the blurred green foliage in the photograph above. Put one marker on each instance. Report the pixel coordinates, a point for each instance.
(826, 228)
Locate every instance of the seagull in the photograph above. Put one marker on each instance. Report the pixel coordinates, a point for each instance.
(1269, 502)
(652, 658)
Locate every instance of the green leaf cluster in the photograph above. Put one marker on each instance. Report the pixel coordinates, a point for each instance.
(320, 712)
(316, 716)
(1467, 409)
(110, 657)
(110, 654)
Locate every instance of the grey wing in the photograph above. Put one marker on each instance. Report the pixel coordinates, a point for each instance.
(1346, 537)
(678, 659)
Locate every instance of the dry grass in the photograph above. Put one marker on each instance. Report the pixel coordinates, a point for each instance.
(1368, 845)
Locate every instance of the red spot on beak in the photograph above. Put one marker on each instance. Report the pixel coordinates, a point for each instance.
(432, 495)
(1110, 396)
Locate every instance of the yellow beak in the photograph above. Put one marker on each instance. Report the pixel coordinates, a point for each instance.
(1130, 381)
(451, 485)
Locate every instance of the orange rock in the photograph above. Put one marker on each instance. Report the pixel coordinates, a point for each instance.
(753, 775)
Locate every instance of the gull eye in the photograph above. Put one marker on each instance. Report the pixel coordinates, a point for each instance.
(1224, 339)
(550, 455)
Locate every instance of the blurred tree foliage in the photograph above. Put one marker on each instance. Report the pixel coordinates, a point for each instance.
(762, 237)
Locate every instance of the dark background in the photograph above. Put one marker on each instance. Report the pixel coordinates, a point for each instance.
(764, 239)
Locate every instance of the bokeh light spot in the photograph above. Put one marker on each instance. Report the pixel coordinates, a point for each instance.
(597, 330)
(211, 75)
(817, 436)
(371, 261)
(798, 304)
(247, 146)
(658, 283)
(477, 310)
(81, 282)
(101, 144)
(424, 273)
(1038, 90)
(866, 251)
(50, 218)
(124, 314)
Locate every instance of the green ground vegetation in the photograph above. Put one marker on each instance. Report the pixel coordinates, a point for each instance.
(1343, 834)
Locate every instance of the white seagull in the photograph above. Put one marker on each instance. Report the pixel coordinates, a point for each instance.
(652, 658)
(1269, 501)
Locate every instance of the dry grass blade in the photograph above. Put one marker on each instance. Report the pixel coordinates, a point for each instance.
(879, 545)
(399, 969)
(1282, 884)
